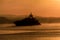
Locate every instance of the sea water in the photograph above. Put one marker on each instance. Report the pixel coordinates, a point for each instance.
(36, 36)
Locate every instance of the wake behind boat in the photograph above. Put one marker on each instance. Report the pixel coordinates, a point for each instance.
(31, 29)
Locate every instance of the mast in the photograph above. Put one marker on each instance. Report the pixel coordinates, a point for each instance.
(31, 16)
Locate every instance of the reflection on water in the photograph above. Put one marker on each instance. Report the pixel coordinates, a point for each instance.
(18, 37)
(7, 25)
(51, 24)
(31, 36)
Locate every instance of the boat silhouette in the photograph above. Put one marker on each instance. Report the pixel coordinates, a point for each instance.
(29, 21)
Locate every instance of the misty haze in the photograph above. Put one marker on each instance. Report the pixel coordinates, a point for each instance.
(49, 28)
(29, 19)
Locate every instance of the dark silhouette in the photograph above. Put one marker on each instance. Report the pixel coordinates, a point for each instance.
(29, 21)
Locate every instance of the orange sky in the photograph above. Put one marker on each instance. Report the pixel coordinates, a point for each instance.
(44, 8)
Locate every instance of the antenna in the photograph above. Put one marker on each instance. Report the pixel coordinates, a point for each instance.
(31, 15)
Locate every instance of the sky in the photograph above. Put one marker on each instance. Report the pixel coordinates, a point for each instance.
(42, 8)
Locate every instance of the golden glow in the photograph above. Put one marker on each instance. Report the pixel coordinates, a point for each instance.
(44, 8)
(49, 8)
